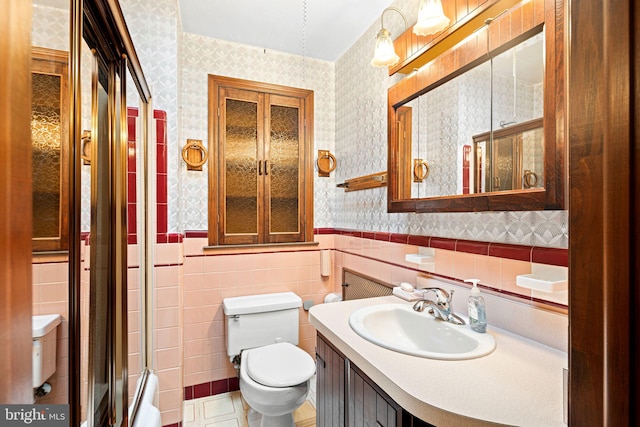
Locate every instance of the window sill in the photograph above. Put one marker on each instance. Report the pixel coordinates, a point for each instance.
(44, 257)
(260, 246)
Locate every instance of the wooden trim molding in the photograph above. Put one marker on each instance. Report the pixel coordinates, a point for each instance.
(15, 208)
(603, 214)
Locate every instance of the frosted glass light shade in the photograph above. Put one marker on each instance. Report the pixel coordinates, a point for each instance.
(385, 54)
(431, 18)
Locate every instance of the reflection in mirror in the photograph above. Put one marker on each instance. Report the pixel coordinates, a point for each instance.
(513, 152)
(475, 132)
(517, 86)
(444, 121)
(509, 159)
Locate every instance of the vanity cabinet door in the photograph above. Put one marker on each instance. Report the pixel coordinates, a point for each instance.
(330, 385)
(368, 405)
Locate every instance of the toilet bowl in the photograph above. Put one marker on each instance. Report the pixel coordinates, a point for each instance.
(274, 381)
(261, 336)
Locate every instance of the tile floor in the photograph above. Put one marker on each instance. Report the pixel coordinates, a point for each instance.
(230, 410)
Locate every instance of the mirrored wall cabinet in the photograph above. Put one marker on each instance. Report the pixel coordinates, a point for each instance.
(480, 126)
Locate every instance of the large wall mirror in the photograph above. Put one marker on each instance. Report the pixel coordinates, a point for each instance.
(485, 136)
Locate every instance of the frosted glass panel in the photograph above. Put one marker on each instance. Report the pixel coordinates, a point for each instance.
(240, 167)
(46, 139)
(284, 169)
(504, 168)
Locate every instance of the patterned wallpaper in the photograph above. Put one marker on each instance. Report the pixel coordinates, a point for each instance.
(50, 28)
(350, 120)
(202, 56)
(155, 30)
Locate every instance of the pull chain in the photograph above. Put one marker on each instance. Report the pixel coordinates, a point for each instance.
(515, 87)
(304, 43)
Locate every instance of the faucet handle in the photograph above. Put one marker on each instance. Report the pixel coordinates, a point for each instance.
(443, 297)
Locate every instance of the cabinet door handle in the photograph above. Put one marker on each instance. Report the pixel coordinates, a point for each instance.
(259, 167)
(266, 167)
(319, 360)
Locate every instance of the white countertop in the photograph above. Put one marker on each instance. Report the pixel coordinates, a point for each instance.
(520, 383)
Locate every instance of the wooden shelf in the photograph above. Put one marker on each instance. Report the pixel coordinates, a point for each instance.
(363, 182)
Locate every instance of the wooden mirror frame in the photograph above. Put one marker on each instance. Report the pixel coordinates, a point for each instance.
(506, 30)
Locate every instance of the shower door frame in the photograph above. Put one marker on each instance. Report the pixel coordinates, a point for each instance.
(101, 24)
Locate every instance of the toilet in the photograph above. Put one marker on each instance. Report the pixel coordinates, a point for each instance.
(44, 342)
(261, 335)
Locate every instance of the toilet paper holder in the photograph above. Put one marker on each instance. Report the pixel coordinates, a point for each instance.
(332, 297)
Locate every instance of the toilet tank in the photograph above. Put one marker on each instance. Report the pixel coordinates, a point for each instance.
(44, 343)
(259, 320)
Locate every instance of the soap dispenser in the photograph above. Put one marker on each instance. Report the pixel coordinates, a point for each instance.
(477, 311)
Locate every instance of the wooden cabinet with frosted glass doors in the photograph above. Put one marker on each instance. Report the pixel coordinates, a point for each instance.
(260, 171)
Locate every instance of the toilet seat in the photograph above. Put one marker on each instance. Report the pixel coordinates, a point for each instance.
(279, 365)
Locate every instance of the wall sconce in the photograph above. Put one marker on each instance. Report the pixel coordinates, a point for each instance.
(431, 18)
(385, 55)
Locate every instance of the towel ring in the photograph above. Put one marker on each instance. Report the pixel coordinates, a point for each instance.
(323, 170)
(193, 163)
(421, 170)
(85, 148)
(530, 179)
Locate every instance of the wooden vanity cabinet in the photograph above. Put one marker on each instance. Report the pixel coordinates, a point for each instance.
(368, 404)
(345, 393)
(330, 385)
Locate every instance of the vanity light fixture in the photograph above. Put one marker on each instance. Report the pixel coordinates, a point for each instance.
(431, 18)
(385, 55)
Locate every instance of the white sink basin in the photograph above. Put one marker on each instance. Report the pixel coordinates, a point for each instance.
(398, 327)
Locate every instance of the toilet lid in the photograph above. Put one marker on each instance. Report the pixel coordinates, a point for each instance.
(279, 365)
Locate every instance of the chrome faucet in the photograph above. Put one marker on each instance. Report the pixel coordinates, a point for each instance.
(441, 307)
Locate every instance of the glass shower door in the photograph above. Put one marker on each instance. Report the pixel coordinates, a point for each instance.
(107, 350)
